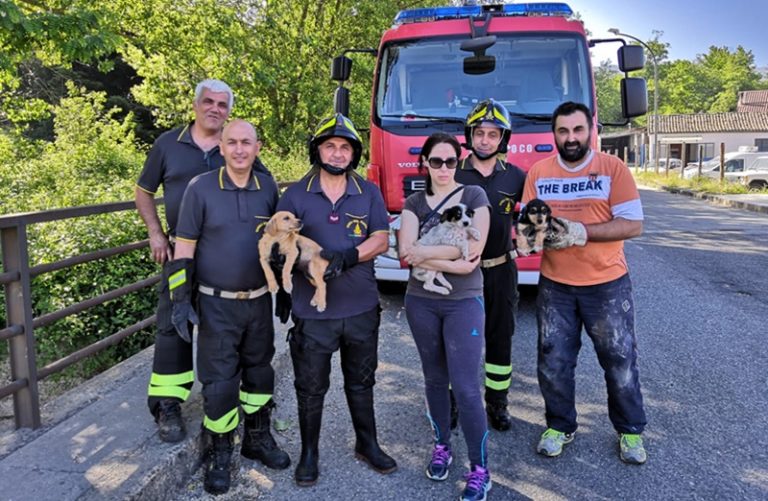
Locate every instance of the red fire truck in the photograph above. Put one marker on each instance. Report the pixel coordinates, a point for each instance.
(435, 64)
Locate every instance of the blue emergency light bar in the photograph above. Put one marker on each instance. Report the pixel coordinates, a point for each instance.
(505, 10)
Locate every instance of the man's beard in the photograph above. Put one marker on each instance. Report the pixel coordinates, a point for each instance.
(573, 155)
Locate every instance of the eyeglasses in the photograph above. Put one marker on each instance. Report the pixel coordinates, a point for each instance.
(437, 163)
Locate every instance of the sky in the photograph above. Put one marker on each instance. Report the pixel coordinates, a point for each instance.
(690, 27)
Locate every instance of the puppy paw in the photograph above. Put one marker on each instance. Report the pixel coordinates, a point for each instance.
(436, 288)
(318, 304)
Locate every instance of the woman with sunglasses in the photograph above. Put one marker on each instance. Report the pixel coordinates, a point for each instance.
(449, 329)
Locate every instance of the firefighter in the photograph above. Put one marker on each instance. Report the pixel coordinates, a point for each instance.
(175, 158)
(345, 215)
(487, 132)
(222, 217)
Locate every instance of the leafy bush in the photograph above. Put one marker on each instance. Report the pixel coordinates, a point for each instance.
(94, 159)
(290, 167)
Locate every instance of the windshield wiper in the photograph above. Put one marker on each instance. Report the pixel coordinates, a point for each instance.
(452, 120)
(533, 117)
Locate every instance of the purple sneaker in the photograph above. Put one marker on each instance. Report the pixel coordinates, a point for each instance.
(438, 466)
(478, 484)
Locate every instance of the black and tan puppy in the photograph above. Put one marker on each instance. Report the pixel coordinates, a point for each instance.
(283, 230)
(535, 223)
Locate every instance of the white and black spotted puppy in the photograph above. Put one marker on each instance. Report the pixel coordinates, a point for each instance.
(455, 228)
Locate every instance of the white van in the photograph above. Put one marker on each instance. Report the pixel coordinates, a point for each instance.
(735, 163)
(754, 178)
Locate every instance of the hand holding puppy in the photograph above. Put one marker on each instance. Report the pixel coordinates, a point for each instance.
(566, 234)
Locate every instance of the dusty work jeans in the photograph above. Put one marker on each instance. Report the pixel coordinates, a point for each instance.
(607, 313)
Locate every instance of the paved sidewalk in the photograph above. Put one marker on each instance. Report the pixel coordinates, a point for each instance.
(98, 441)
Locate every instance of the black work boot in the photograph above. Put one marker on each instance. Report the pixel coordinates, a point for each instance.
(169, 421)
(310, 417)
(218, 458)
(367, 447)
(498, 417)
(258, 443)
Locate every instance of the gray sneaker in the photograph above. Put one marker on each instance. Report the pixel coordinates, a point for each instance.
(552, 442)
(632, 450)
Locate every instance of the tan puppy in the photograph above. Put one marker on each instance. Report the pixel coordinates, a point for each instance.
(283, 229)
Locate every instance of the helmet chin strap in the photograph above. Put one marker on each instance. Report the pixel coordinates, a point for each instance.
(335, 171)
(483, 156)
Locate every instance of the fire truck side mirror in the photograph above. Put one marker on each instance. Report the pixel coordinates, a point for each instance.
(631, 58)
(634, 97)
(341, 68)
(341, 101)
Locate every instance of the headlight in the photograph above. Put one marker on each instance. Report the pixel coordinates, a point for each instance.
(394, 227)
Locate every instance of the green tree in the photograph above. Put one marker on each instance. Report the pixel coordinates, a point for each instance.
(608, 95)
(730, 72)
(55, 33)
(709, 84)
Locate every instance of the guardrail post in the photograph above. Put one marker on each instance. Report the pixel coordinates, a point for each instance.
(18, 307)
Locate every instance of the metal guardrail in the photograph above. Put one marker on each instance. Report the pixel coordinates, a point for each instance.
(20, 330)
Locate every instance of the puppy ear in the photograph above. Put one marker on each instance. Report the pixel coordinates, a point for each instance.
(470, 212)
(524, 213)
(271, 227)
(445, 215)
(453, 213)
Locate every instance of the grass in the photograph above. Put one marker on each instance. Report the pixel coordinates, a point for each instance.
(700, 184)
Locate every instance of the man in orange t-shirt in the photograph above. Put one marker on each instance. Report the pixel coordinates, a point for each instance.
(585, 282)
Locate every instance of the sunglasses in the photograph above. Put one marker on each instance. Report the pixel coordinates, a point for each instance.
(437, 163)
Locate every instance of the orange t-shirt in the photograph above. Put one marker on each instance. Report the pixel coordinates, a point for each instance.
(598, 190)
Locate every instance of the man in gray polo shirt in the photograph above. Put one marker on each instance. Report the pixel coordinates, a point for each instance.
(222, 218)
(176, 157)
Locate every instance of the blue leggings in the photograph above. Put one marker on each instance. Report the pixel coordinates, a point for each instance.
(449, 335)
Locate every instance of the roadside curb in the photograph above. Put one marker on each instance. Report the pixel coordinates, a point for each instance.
(745, 202)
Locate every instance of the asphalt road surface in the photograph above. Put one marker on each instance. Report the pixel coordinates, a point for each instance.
(701, 287)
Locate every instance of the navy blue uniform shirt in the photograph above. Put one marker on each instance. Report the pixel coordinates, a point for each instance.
(227, 222)
(358, 214)
(173, 161)
(504, 188)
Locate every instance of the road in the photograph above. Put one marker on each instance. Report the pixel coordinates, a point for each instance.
(702, 296)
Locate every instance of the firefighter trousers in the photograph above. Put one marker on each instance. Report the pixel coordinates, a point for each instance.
(172, 366)
(501, 298)
(235, 346)
(313, 343)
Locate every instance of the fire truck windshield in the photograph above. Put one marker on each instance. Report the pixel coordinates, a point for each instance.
(422, 82)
